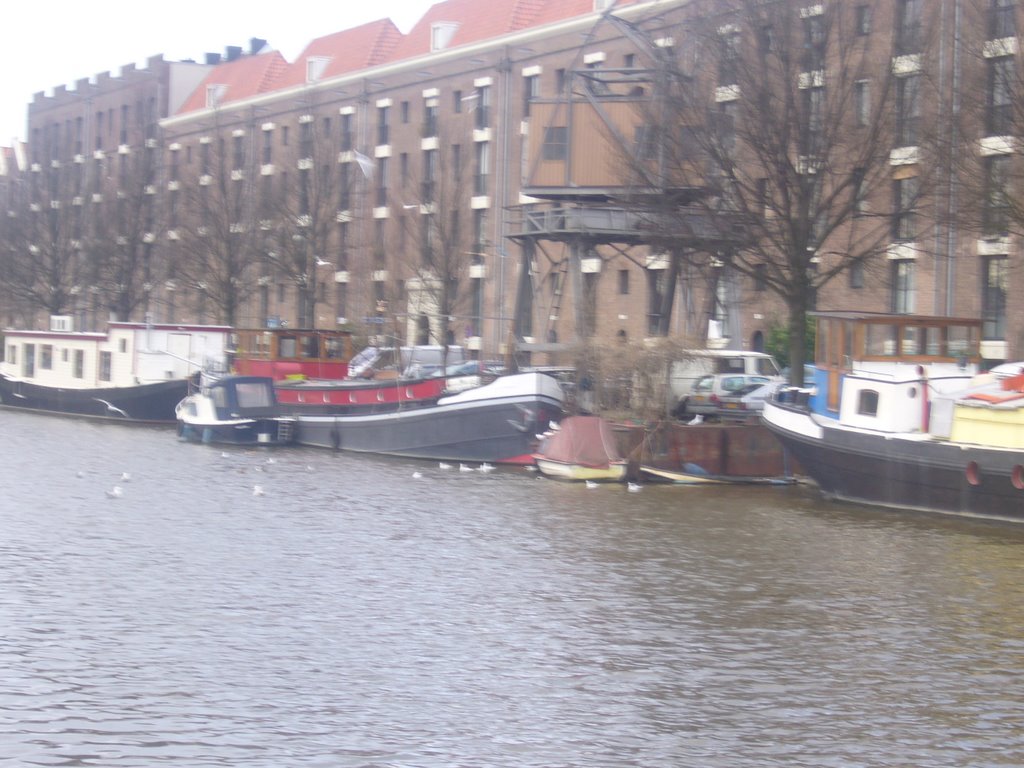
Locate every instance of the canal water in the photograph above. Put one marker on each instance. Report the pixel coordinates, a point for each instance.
(355, 614)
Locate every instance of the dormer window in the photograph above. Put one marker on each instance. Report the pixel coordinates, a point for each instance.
(315, 66)
(441, 34)
(215, 94)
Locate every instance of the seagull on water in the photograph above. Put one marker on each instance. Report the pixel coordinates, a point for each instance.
(633, 487)
(442, 465)
(485, 467)
(591, 484)
(257, 490)
(125, 477)
(417, 475)
(115, 493)
(464, 468)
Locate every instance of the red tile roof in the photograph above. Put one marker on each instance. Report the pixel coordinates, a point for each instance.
(347, 51)
(478, 20)
(240, 79)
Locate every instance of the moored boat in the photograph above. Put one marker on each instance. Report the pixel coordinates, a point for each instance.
(238, 410)
(899, 417)
(130, 372)
(581, 448)
(496, 422)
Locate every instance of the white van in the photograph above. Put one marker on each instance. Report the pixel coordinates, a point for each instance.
(683, 374)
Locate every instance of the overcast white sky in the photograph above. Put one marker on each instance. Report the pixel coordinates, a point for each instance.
(47, 44)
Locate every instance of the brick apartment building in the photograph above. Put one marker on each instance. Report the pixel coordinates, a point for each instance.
(467, 179)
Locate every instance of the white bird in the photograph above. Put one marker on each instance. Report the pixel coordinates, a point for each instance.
(553, 426)
(485, 467)
(111, 408)
(464, 468)
(633, 487)
(125, 477)
(223, 454)
(257, 490)
(530, 467)
(417, 475)
(271, 461)
(115, 493)
(321, 263)
(698, 419)
(591, 484)
(309, 468)
(442, 465)
(79, 473)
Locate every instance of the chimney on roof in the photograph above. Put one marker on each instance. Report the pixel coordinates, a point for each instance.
(213, 58)
(233, 52)
(256, 45)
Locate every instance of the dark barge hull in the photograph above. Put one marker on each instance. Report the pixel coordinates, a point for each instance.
(144, 402)
(499, 430)
(906, 473)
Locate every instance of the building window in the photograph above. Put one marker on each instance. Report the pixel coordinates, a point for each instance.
(531, 90)
(556, 143)
(382, 182)
(993, 297)
(306, 139)
(347, 136)
(814, 43)
(999, 96)
(860, 206)
(813, 124)
(903, 286)
(441, 34)
(908, 27)
(457, 102)
(238, 152)
(856, 275)
(1001, 21)
(728, 58)
(862, 19)
(655, 294)
(623, 282)
(862, 102)
(904, 203)
(104, 366)
(760, 277)
(483, 106)
(560, 81)
(644, 144)
(483, 152)
(78, 367)
(430, 118)
(907, 110)
(383, 132)
(315, 66)
(268, 144)
(996, 218)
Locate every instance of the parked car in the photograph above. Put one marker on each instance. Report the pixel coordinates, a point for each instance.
(746, 402)
(684, 374)
(706, 397)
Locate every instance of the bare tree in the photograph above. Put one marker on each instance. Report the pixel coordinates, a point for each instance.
(443, 238)
(772, 132)
(300, 220)
(125, 221)
(217, 229)
(43, 264)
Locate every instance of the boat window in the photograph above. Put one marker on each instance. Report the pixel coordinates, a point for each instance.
(254, 394)
(219, 397)
(959, 340)
(286, 346)
(333, 348)
(310, 349)
(880, 340)
(933, 342)
(913, 338)
(867, 402)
